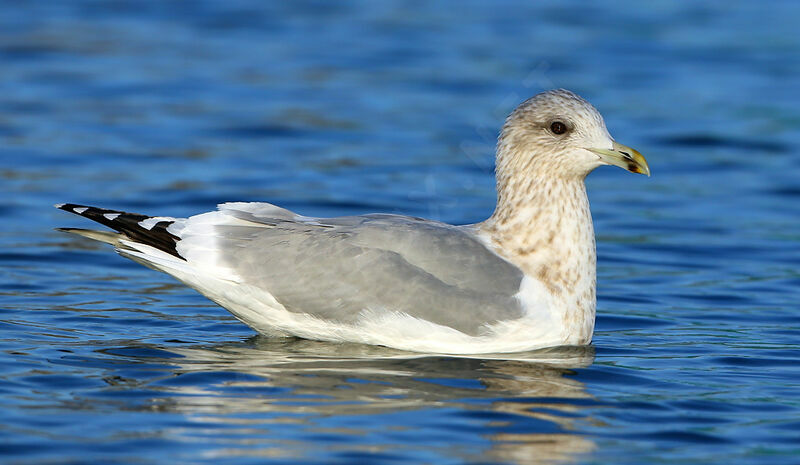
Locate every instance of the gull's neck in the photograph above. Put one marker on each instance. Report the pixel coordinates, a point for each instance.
(543, 225)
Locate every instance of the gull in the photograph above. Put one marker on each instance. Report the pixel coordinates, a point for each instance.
(521, 280)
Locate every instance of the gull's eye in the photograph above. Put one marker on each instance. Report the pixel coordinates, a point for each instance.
(557, 127)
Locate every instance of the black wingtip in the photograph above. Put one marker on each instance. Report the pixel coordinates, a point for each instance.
(78, 209)
(130, 225)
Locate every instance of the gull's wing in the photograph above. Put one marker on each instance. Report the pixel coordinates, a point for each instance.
(336, 268)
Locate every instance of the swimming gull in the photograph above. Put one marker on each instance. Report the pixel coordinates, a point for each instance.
(523, 279)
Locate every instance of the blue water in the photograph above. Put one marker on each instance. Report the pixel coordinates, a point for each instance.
(352, 107)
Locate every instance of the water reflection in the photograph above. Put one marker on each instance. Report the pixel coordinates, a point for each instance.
(522, 409)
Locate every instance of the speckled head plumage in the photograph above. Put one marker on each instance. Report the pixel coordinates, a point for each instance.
(557, 133)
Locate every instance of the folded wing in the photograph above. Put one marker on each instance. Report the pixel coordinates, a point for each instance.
(336, 269)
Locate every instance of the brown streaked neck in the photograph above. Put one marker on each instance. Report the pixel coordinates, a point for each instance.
(544, 226)
(541, 215)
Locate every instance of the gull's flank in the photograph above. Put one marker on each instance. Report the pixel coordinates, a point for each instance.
(523, 279)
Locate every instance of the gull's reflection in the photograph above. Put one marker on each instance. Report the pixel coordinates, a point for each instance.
(290, 381)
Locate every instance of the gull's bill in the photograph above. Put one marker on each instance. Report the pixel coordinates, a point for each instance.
(624, 157)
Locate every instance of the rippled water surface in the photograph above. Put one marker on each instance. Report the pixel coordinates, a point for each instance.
(354, 107)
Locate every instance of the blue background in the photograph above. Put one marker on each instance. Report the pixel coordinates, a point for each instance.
(168, 108)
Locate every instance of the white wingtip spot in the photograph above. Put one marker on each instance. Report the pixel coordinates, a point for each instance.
(80, 210)
(111, 216)
(149, 223)
(59, 205)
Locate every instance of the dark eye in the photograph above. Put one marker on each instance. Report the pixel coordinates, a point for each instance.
(557, 127)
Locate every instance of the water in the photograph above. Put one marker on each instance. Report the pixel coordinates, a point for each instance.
(329, 109)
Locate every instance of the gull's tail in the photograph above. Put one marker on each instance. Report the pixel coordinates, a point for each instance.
(151, 231)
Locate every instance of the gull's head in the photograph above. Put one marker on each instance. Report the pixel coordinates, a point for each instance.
(562, 134)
